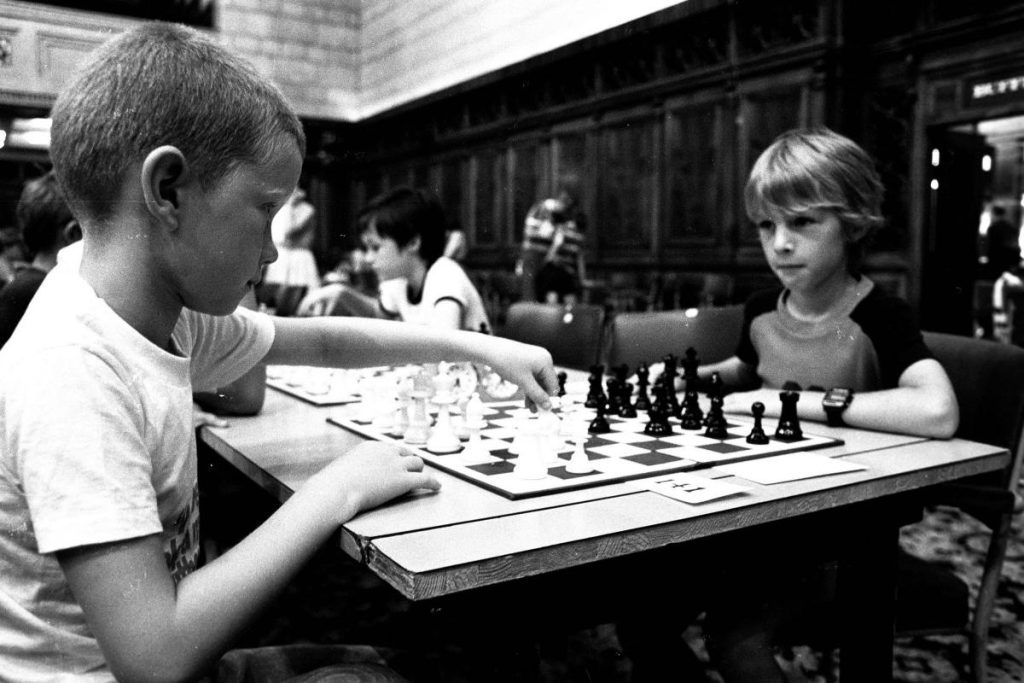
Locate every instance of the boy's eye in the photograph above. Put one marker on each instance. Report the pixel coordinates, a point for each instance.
(765, 225)
(802, 221)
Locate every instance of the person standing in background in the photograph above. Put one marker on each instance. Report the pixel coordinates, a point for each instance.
(551, 266)
(292, 231)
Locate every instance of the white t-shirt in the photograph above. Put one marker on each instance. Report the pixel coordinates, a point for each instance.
(97, 445)
(445, 279)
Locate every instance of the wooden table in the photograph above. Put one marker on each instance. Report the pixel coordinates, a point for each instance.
(464, 539)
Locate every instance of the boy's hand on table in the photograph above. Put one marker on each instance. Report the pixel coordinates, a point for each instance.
(371, 474)
(530, 367)
(739, 402)
(201, 418)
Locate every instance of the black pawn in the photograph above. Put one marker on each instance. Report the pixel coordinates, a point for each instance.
(599, 425)
(562, 377)
(658, 424)
(789, 423)
(757, 436)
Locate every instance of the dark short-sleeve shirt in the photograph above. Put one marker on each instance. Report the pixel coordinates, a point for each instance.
(865, 344)
(15, 297)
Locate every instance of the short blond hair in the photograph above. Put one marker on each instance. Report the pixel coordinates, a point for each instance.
(806, 169)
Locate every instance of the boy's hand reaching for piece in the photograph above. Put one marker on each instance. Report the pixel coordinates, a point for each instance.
(528, 366)
(369, 475)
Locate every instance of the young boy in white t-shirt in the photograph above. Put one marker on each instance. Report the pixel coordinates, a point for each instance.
(174, 156)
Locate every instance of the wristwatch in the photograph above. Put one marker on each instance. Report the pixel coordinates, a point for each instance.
(835, 402)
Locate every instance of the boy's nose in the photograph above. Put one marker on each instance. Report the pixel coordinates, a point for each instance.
(783, 240)
(269, 251)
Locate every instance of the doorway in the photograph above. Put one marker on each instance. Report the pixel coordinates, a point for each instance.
(973, 219)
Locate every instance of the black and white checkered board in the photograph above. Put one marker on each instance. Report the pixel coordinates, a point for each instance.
(621, 454)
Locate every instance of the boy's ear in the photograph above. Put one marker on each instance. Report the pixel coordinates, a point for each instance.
(72, 232)
(164, 171)
(413, 245)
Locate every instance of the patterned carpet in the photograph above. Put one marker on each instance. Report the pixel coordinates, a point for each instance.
(335, 601)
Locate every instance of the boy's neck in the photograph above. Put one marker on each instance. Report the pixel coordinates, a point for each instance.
(119, 273)
(822, 301)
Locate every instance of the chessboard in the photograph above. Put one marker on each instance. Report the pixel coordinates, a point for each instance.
(320, 386)
(623, 453)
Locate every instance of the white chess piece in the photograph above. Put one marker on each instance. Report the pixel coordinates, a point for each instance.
(579, 462)
(418, 431)
(530, 460)
(548, 426)
(473, 419)
(442, 437)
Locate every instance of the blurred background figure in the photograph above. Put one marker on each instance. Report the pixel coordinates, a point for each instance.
(292, 231)
(1002, 243)
(46, 226)
(404, 236)
(551, 266)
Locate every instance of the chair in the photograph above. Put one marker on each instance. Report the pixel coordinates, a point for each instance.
(989, 382)
(572, 333)
(646, 337)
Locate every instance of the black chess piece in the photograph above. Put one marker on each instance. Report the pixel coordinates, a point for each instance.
(789, 422)
(599, 425)
(595, 394)
(614, 392)
(717, 427)
(626, 407)
(621, 373)
(715, 390)
(643, 401)
(757, 436)
(562, 377)
(669, 377)
(658, 424)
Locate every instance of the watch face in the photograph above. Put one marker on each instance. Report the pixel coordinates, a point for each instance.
(836, 398)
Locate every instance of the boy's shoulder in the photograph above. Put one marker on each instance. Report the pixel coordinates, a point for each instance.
(762, 301)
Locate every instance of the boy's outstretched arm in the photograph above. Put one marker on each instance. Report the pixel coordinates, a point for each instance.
(151, 630)
(922, 403)
(363, 342)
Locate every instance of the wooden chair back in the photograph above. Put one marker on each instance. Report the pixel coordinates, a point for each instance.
(574, 334)
(713, 332)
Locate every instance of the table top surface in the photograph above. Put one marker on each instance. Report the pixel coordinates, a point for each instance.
(462, 537)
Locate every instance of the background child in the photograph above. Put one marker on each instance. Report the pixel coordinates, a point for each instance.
(815, 197)
(98, 492)
(47, 226)
(404, 234)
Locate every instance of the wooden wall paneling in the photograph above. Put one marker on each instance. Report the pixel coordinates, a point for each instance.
(697, 214)
(487, 176)
(627, 187)
(450, 186)
(530, 180)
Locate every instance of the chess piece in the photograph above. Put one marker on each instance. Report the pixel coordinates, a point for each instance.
(579, 462)
(596, 393)
(643, 401)
(626, 407)
(442, 438)
(789, 422)
(757, 436)
(562, 377)
(530, 461)
(418, 431)
(599, 425)
(717, 427)
(473, 419)
(548, 428)
(669, 378)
